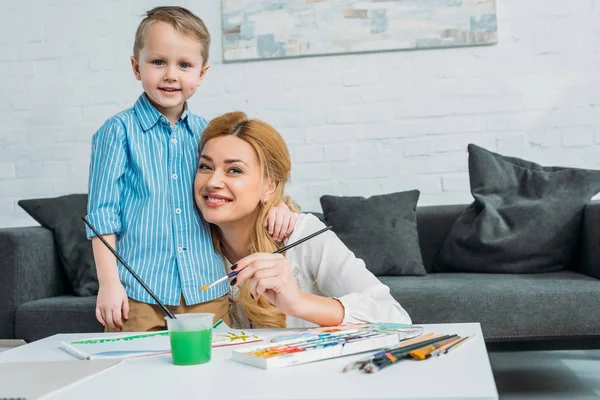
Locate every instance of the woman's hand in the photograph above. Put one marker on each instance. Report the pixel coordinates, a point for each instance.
(270, 275)
(112, 305)
(280, 222)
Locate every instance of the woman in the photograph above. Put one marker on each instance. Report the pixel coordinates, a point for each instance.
(243, 167)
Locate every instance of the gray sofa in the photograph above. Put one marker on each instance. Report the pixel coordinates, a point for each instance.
(36, 301)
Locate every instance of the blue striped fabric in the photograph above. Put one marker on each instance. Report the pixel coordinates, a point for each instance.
(141, 188)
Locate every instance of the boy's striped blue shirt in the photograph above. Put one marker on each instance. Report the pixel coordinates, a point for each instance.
(141, 188)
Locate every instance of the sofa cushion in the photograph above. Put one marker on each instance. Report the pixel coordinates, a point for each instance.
(62, 215)
(38, 319)
(508, 306)
(525, 218)
(381, 230)
(434, 223)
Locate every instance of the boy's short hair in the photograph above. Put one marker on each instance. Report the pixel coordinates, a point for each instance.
(181, 19)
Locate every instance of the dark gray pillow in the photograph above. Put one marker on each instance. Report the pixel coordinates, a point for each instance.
(381, 230)
(526, 218)
(62, 215)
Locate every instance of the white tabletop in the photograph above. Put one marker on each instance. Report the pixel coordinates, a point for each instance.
(463, 374)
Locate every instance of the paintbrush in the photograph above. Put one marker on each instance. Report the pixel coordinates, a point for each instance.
(128, 268)
(401, 351)
(443, 348)
(391, 357)
(458, 344)
(361, 363)
(426, 351)
(289, 246)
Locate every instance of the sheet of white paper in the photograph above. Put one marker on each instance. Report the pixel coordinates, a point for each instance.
(119, 347)
(144, 344)
(34, 380)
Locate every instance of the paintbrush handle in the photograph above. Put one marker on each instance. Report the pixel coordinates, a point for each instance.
(405, 347)
(385, 359)
(404, 351)
(289, 246)
(426, 351)
(447, 345)
(233, 274)
(137, 278)
(230, 275)
(458, 344)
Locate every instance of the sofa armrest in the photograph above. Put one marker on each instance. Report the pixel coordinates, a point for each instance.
(590, 240)
(30, 270)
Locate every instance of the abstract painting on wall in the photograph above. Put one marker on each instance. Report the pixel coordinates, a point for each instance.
(262, 29)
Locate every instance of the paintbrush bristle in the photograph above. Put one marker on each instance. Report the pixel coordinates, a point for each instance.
(349, 367)
(371, 368)
(205, 287)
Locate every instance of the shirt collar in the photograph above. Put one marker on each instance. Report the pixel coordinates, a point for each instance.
(184, 115)
(149, 115)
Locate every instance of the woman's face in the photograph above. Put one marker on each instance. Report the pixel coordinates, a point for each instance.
(228, 186)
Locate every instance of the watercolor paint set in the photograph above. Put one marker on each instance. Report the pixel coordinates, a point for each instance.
(299, 347)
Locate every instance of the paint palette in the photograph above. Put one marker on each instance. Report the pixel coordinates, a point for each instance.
(299, 347)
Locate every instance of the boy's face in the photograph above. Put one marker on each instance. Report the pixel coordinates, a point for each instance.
(170, 68)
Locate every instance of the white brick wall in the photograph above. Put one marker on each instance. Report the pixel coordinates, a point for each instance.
(356, 124)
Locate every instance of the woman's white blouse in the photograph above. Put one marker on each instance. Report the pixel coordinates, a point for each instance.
(324, 266)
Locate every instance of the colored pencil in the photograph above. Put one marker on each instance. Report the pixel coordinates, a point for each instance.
(233, 274)
(128, 268)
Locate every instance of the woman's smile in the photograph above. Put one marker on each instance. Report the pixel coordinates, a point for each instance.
(213, 200)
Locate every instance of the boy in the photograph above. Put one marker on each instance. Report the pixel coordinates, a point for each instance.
(142, 170)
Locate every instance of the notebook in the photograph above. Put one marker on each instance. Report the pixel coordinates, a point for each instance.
(151, 343)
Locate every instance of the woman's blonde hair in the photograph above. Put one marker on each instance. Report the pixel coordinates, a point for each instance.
(274, 160)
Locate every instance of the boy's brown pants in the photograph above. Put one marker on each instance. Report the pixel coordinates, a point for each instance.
(145, 317)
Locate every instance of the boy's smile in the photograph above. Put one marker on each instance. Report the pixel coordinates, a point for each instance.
(170, 68)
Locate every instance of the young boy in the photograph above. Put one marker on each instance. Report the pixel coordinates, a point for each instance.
(142, 171)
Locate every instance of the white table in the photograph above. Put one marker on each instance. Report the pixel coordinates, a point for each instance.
(464, 374)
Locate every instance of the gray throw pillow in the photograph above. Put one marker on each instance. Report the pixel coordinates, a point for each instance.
(62, 215)
(381, 230)
(526, 218)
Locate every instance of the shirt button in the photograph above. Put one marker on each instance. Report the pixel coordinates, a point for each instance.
(180, 249)
(174, 176)
(174, 141)
(178, 211)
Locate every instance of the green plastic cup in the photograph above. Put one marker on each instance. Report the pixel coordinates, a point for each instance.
(191, 338)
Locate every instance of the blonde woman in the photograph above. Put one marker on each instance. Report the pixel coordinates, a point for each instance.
(242, 170)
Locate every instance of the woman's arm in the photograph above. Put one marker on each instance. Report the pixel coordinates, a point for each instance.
(352, 293)
(270, 275)
(319, 310)
(342, 277)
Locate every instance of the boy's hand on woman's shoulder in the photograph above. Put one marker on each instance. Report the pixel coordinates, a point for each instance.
(280, 222)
